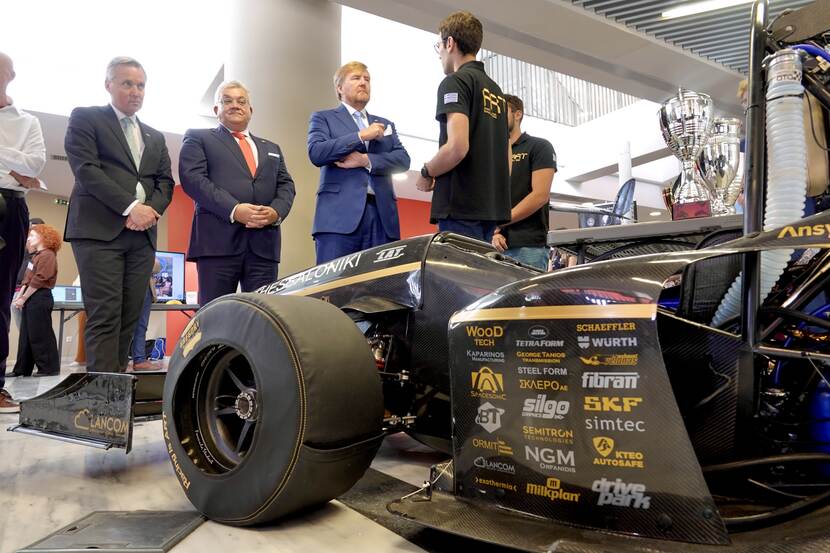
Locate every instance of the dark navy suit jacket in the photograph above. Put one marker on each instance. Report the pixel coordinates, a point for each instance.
(214, 173)
(106, 175)
(341, 197)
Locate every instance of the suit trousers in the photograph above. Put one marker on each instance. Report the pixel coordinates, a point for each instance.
(37, 344)
(114, 276)
(220, 275)
(13, 229)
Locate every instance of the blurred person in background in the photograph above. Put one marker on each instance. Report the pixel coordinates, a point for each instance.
(37, 344)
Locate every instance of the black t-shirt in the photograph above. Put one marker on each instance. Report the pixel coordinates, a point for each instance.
(478, 188)
(530, 154)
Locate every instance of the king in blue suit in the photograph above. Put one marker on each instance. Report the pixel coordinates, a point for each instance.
(357, 153)
(242, 191)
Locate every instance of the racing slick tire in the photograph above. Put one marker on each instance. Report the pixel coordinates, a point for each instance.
(272, 404)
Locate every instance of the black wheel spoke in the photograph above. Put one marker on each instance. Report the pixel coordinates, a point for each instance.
(244, 434)
(224, 411)
(236, 380)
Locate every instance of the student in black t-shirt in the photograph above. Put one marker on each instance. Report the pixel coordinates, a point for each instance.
(470, 174)
(534, 163)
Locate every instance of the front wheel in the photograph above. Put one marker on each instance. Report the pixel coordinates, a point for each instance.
(272, 404)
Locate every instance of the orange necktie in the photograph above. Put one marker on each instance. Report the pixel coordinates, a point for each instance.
(246, 152)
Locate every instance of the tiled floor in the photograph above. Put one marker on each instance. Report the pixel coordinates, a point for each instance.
(45, 484)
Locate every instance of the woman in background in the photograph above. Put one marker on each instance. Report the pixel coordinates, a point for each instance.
(37, 345)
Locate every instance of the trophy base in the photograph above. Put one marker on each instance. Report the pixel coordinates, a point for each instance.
(691, 210)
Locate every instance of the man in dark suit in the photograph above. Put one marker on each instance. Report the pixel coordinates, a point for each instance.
(242, 190)
(123, 184)
(358, 152)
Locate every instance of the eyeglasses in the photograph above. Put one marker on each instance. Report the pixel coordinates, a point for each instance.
(238, 101)
(438, 44)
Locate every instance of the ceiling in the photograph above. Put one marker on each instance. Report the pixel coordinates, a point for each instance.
(563, 36)
(721, 36)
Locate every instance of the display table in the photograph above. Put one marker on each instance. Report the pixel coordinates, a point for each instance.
(588, 244)
(75, 307)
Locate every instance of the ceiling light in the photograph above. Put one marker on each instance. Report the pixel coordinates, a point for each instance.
(399, 176)
(656, 213)
(701, 7)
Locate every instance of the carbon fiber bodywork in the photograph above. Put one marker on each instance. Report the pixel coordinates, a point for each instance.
(574, 396)
(409, 290)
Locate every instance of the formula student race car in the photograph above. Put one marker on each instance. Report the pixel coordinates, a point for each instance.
(664, 403)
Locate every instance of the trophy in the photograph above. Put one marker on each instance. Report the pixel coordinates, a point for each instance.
(686, 122)
(718, 164)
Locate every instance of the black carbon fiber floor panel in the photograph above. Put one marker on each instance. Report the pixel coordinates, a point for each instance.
(807, 534)
(375, 490)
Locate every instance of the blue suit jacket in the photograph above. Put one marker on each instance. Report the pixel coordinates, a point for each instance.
(214, 173)
(341, 197)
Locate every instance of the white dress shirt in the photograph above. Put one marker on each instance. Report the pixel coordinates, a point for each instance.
(139, 190)
(365, 119)
(22, 149)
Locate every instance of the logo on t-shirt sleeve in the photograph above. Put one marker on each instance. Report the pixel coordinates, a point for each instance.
(451, 98)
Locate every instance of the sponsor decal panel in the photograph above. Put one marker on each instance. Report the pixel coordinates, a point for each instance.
(585, 341)
(551, 459)
(492, 464)
(484, 336)
(315, 273)
(611, 457)
(542, 371)
(487, 384)
(611, 359)
(540, 407)
(543, 357)
(389, 254)
(104, 425)
(498, 445)
(496, 484)
(614, 425)
(524, 343)
(552, 489)
(482, 356)
(791, 231)
(621, 494)
(610, 380)
(489, 417)
(611, 404)
(562, 436)
(542, 385)
(607, 327)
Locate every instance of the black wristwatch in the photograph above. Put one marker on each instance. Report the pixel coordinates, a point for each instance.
(425, 172)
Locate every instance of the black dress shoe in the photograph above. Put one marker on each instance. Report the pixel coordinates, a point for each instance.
(12, 374)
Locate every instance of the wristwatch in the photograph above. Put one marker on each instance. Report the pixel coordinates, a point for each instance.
(425, 172)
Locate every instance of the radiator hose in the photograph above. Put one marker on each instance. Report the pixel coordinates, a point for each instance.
(786, 171)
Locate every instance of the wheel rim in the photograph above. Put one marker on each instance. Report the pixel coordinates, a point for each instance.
(227, 410)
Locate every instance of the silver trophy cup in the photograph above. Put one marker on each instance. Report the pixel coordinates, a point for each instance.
(718, 164)
(686, 123)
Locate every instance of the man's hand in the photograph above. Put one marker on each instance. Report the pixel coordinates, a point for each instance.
(24, 181)
(372, 132)
(499, 241)
(353, 160)
(244, 213)
(424, 185)
(264, 216)
(18, 303)
(141, 217)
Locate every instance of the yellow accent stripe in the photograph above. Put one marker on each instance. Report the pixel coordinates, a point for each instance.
(624, 311)
(408, 268)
